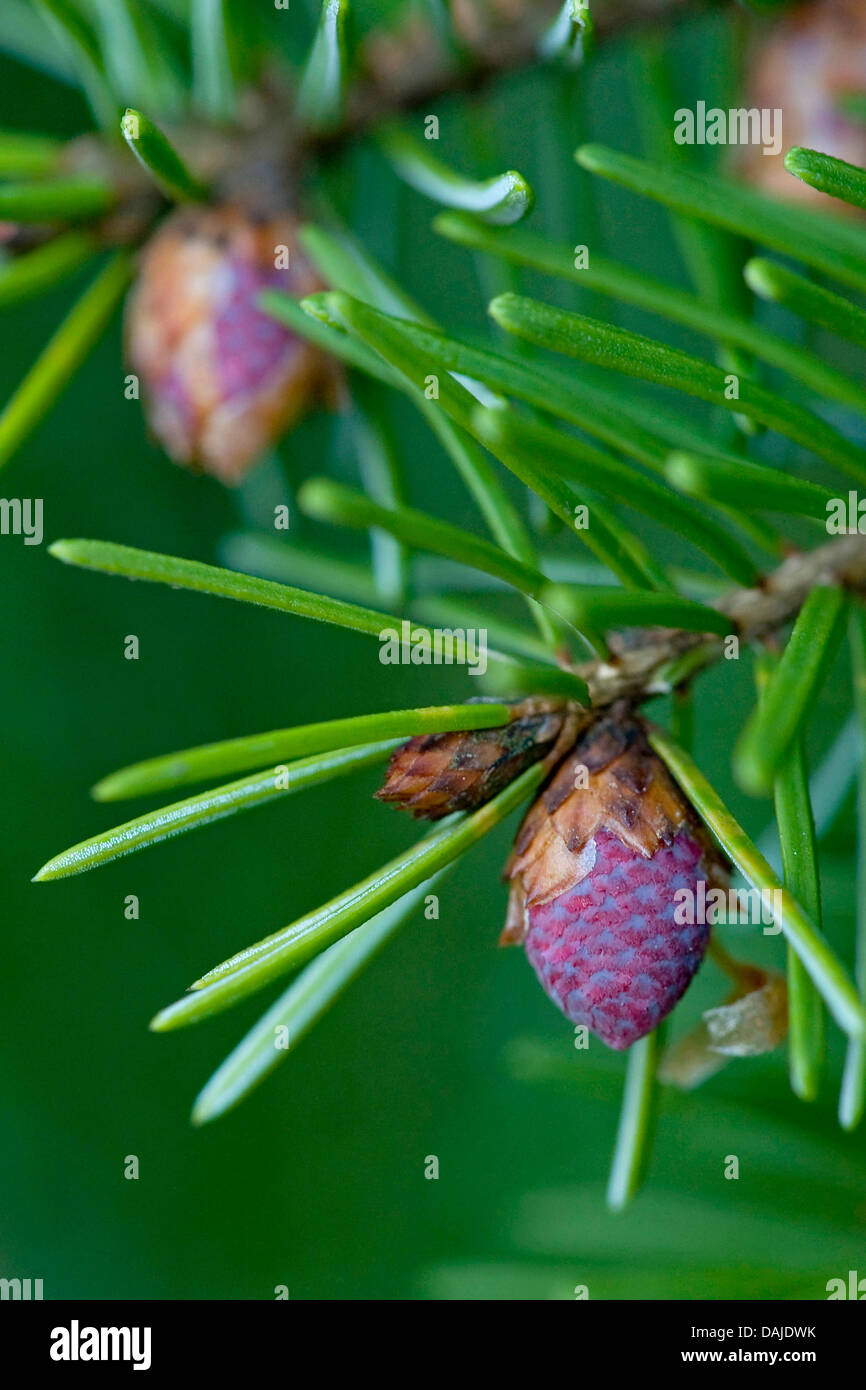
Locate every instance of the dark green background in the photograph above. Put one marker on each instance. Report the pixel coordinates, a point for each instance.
(446, 1046)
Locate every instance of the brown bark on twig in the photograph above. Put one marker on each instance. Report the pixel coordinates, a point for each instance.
(637, 669)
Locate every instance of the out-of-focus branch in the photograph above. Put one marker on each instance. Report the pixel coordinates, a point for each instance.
(398, 69)
(408, 67)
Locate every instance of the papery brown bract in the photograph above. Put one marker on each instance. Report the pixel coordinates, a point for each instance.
(752, 1020)
(221, 380)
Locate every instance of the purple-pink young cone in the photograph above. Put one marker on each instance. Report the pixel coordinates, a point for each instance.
(608, 951)
(221, 378)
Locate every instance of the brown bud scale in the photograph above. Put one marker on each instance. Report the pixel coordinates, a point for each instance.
(435, 774)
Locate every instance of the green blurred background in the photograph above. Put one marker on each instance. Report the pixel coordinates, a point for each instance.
(445, 1046)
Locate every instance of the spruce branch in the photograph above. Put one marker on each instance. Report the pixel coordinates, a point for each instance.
(649, 636)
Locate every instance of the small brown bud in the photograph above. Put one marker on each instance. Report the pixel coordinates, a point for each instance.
(435, 774)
